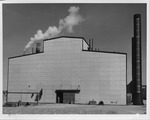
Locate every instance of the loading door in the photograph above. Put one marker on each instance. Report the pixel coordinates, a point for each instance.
(66, 96)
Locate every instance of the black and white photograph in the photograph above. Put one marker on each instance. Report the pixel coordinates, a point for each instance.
(74, 59)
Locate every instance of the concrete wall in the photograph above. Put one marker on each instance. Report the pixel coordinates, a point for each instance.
(63, 65)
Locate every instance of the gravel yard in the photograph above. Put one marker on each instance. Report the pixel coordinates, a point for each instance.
(75, 109)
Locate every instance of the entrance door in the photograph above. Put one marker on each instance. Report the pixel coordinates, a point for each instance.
(59, 97)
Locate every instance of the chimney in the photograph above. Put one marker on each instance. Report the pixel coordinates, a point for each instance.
(137, 62)
(38, 45)
(89, 48)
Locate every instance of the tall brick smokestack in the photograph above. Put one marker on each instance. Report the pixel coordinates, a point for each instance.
(137, 62)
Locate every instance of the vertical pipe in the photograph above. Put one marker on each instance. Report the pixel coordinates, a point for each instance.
(7, 81)
(92, 44)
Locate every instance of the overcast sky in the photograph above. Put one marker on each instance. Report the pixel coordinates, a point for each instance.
(110, 25)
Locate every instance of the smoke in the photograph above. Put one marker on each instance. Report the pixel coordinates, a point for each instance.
(67, 24)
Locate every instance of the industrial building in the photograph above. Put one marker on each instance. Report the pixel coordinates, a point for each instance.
(68, 70)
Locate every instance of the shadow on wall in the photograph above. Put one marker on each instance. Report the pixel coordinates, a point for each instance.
(38, 96)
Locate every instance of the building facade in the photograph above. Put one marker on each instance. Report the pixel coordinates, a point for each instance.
(68, 71)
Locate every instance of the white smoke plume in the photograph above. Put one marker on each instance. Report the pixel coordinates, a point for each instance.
(66, 24)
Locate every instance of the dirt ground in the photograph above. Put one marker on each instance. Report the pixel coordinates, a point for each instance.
(75, 109)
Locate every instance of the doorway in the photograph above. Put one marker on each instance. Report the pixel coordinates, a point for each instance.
(66, 96)
(59, 97)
